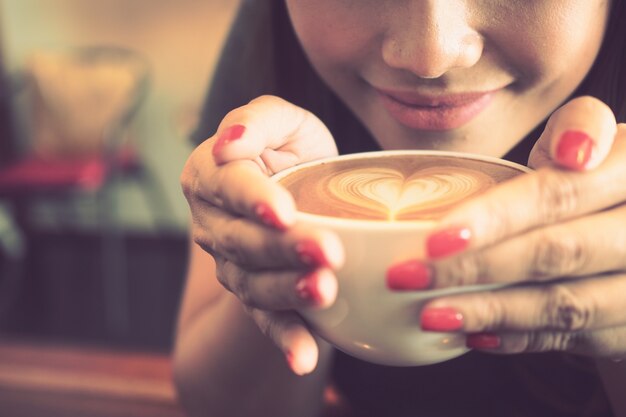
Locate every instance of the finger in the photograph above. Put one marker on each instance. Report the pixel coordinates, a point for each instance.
(290, 334)
(543, 197)
(575, 305)
(256, 247)
(578, 136)
(240, 187)
(606, 343)
(270, 128)
(279, 290)
(583, 246)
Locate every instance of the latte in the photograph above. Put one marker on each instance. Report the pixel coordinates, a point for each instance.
(393, 187)
(383, 206)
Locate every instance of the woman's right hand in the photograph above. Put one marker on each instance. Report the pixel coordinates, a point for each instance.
(247, 222)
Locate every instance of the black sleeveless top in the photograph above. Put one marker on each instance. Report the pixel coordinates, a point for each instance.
(262, 56)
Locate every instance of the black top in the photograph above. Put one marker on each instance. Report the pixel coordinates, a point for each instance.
(262, 56)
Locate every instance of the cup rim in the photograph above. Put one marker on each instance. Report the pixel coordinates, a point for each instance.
(347, 223)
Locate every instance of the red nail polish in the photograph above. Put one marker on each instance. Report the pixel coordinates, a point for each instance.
(229, 134)
(289, 358)
(447, 242)
(267, 216)
(409, 275)
(483, 341)
(443, 319)
(307, 289)
(574, 149)
(311, 254)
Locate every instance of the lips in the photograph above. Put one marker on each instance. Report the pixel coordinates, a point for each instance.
(434, 112)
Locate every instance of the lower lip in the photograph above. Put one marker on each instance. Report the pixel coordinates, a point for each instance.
(437, 117)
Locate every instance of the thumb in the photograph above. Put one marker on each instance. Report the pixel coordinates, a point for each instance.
(578, 136)
(278, 132)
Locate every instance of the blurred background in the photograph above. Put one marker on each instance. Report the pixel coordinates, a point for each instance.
(97, 99)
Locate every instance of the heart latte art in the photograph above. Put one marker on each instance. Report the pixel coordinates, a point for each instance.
(392, 188)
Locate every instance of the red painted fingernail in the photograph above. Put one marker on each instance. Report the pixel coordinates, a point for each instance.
(307, 289)
(290, 359)
(574, 149)
(483, 341)
(229, 134)
(268, 216)
(311, 254)
(409, 275)
(447, 242)
(443, 319)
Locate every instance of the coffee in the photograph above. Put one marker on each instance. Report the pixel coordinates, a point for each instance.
(394, 187)
(367, 320)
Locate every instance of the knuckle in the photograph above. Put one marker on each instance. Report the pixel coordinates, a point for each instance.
(239, 284)
(187, 180)
(556, 254)
(189, 176)
(222, 274)
(218, 187)
(261, 319)
(566, 311)
(490, 315)
(202, 238)
(551, 341)
(271, 327)
(283, 109)
(229, 244)
(557, 195)
(467, 269)
(250, 311)
(186, 184)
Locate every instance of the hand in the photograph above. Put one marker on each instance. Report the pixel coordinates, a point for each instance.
(559, 231)
(246, 221)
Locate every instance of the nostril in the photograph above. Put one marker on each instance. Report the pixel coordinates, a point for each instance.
(433, 55)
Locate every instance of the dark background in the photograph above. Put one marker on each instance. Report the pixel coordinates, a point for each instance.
(59, 293)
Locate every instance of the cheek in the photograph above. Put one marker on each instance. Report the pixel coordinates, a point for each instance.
(557, 45)
(333, 36)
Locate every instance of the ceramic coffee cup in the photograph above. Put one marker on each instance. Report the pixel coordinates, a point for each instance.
(382, 205)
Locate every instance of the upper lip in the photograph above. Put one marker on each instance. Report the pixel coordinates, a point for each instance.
(415, 99)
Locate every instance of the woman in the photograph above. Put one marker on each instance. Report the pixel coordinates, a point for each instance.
(477, 76)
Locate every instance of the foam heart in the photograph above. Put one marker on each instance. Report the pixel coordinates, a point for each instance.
(388, 192)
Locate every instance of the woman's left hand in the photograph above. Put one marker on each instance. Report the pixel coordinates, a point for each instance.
(561, 229)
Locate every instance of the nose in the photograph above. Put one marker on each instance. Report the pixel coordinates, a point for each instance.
(431, 37)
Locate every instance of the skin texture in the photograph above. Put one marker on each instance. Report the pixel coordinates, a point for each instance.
(564, 222)
(534, 53)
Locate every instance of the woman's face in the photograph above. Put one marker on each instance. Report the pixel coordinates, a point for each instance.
(466, 75)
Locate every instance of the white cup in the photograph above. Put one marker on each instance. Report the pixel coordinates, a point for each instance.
(368, 320)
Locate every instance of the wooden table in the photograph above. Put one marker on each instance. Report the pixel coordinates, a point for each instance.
(43, 380)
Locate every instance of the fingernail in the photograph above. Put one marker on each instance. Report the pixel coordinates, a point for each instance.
(443, 319)
(447, 242)
(268, 216)
(409, 275)
(483, 341)
(307, 289)
(574, 149)
(311, 254)
(229, 134)
(289, 357)
(302, 364)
